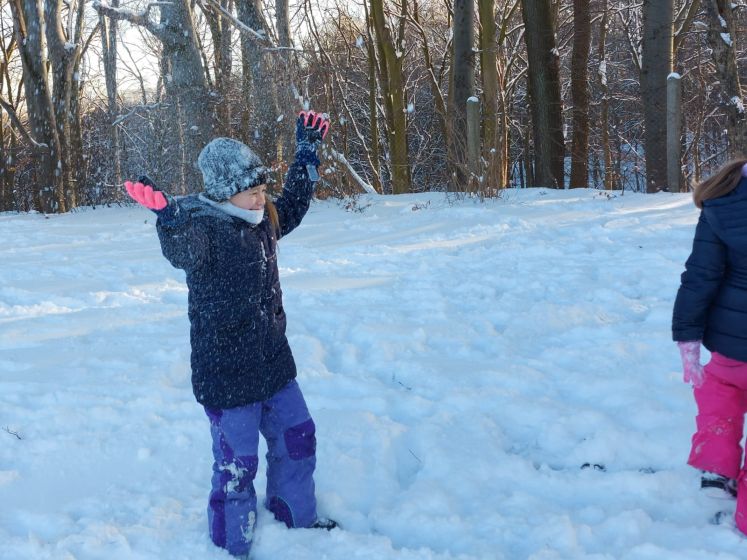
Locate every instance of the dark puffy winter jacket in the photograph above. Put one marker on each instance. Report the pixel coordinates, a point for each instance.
(240, 353)
(711, 303)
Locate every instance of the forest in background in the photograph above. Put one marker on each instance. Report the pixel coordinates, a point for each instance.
(464, 95)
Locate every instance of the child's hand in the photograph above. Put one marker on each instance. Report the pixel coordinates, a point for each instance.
(145, 195)
(692, 370)
(311, 128)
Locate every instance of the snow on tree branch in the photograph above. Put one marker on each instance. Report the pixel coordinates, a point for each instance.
(737, 102)
(357, 178)
(258, 35)
(138, 18)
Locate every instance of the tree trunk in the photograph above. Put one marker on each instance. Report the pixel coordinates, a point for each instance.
(6, 132)
(604, 104)
(287, 103)
(184, 79)
(27, 18)
(5, 187)
(463, 64)
(372, 104)
(61, 60)
(392, 86)
(722, 40)
(473, 142)
(188, 86)
(109, 56)
(657, 65)
(65, 54)
(259, 90)
(221, 32)
(674, 133)
(528, 156)
(489, 72)
(544, 90)
(580, 93)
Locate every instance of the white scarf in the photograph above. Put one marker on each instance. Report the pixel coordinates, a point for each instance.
(251, 216)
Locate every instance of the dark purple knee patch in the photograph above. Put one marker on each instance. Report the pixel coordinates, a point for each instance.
(300, 441)
(280, 510)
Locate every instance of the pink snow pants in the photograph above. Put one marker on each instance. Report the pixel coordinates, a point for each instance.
(716, 445)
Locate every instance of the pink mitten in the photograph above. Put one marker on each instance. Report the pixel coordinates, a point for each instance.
(146, 196)
(690, 354)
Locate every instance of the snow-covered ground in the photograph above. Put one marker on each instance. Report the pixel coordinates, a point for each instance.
(462, 362)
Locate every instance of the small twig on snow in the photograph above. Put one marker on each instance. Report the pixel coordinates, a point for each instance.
(11, 432)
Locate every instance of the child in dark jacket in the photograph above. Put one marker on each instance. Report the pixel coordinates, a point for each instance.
(243, 371)
(711, 309)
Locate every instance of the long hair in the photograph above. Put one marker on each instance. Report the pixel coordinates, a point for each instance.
(720, 183)
(272, 212)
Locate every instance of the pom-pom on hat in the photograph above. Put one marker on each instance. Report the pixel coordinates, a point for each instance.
(229, 167)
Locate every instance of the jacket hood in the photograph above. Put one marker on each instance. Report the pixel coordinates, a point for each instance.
(727, 216)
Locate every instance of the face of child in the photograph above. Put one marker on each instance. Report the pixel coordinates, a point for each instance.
(252, 199)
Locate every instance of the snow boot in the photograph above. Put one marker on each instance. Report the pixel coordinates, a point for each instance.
(718, 486)
(324, 523)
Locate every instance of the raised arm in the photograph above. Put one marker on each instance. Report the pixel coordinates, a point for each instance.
(184, 245)
(300, 181)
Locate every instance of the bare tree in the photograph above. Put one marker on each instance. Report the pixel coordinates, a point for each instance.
(544, 91)
(341, 72)
(489, 73)
(511, 73)
(721, 38)
(604, 103)
(8, 137)
(432, 73)
(109, 59)
(221, 32)
(580, 93)
(66, 46)
(373, 93)
(259, 87)
(657, 48)
(185, 80)
(391, 55)
(28, 22)
(463, 73)
(286, 77)
(392, 126)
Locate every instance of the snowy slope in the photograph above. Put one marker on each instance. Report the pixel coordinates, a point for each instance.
(461, 361)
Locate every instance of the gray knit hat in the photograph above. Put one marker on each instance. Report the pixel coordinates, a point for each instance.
(229, 167)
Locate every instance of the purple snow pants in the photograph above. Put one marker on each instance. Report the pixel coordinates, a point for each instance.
(285, 423)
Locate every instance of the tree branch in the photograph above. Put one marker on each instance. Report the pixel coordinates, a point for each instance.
(19, 126)
(257, 35)
(11, 432)
(357, 178)
(142, 19)
(684, 21)
(148, 107)
(90, 38)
